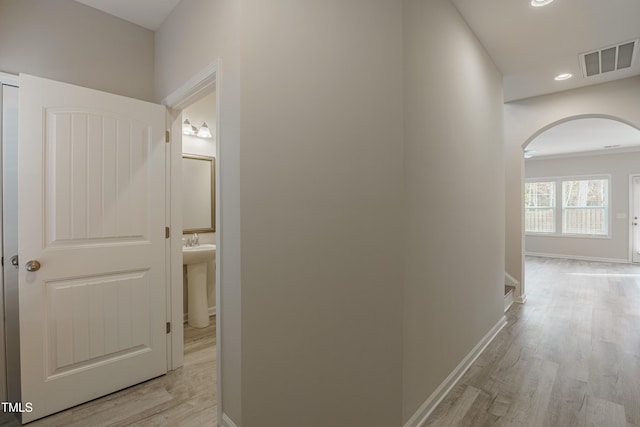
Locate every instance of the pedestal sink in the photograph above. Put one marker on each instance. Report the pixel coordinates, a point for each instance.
(196, 258)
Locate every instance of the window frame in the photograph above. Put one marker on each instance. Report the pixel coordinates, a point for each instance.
(559, 206)
(554, 207)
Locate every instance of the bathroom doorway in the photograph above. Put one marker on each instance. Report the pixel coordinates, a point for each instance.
(194, 112)
(198, 210)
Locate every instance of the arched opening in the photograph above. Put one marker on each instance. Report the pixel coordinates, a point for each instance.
(579, 196)
(557, 123)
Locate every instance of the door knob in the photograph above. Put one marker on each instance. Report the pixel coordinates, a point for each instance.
(14, 260)
(32, 265)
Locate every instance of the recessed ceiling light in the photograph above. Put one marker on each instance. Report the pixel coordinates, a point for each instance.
(564, 76)
(539, 3)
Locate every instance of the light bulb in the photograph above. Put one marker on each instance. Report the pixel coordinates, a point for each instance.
(204, 131)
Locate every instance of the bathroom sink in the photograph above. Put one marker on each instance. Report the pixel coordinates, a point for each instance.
(196, 258)
(198, 254)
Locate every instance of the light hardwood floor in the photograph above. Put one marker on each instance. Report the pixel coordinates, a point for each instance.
(568, 357)
(185, 397)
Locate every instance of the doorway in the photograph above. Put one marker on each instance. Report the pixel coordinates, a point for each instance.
(634, 203)
(579, 200)
(206, 82)
(198, 228)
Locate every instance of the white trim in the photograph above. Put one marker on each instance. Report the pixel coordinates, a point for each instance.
(519, 297)
(175, 339)
(219, 252)
(578, 257)
(631, 212)
(594, 153)
(203, 82)
(194, 88)
(9, 79)
(569, 236)
(511, 280)
(420, 416)
(227, 422)
(212, 312)
(508, 300)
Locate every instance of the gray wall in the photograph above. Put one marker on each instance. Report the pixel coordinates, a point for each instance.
(454, 266)
(619, 166)
(526, 119)
(73, 43)
(321, 199)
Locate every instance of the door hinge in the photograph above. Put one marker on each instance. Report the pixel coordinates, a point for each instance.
(167, 232)
(168, 327)
(167, 136)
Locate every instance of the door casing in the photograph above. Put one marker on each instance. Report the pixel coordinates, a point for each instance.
(208, 79)
(632, 229)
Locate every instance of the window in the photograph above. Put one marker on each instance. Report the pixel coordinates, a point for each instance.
(583, 203)
(585, 206)
(540, 207)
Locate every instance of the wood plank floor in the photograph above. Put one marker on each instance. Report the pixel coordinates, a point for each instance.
(568, 357)
(185, 397)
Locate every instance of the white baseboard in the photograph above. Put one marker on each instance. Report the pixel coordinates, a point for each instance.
(520, 299)
(508, 300)
(227, 422)
(578, 257)
(510, 280)
(518, 296)
(212, 312)
(447, 385)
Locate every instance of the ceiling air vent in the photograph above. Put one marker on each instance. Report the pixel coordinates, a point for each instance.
(612, 58)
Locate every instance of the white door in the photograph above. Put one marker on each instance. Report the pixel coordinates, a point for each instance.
(635, 218)
(92, 214)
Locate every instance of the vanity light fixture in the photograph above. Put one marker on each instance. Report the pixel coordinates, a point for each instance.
(564, 76)
(189, 129)
(204, 131)
(540, 3)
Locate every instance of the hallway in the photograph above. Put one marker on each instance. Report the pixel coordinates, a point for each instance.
(570, 356)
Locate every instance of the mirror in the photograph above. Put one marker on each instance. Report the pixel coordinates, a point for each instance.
(198, 194)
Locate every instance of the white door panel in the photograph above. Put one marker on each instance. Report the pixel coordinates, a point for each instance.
(92, 212)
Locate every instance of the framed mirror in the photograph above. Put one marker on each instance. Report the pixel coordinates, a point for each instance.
(198, 194)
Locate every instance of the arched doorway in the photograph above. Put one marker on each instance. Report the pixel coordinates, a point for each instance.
(578, 189)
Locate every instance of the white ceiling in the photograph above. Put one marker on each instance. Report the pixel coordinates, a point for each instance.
(531, 45)
(585, 135)
(146, 13)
